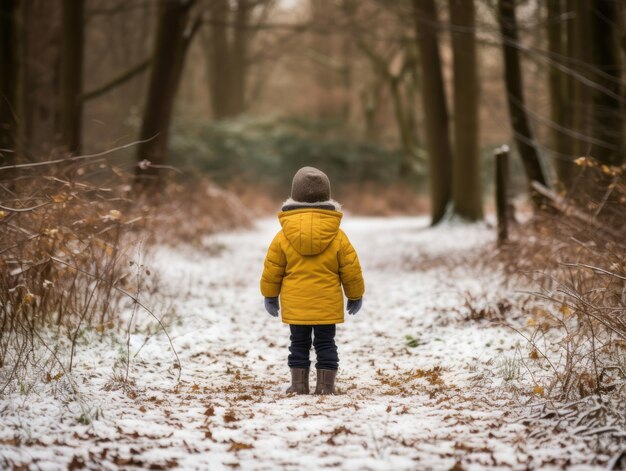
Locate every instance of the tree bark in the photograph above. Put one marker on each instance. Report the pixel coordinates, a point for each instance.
(38, 84)
(325, 46)
(580, 53)
(501, 170)
(607, 113)
(435, 110)
(466, 178)
(520, 125)
(228, 46)
(169, 49)
(560, 85)
(8, 80)
(71, 107)
(219, 59)
(239, 72)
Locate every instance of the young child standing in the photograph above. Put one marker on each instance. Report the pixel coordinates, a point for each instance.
(307, 264)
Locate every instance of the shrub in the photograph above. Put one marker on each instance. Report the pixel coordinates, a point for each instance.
(66, 232)
(576, 259)
(270, 151)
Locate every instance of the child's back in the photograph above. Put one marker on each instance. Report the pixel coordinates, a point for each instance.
(307, 264)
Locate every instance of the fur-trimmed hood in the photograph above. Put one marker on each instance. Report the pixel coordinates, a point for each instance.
(331, 204)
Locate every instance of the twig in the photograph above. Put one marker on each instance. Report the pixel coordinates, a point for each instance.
(75, 158)
(135, 300)
(24, 210)
(562, 205)
(597, 269)
(531, 342)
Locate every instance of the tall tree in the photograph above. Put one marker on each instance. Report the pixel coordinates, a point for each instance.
(170, 46)
(8, 80)
(580, 52)
(38, 90)
(514, 86)
(71, 83)
(466, 181)
(607, 98)
(596, 75)
(435, 109)
(240, 53)
(558, 29)
(394, 69)
(228, 55)
(219, 69)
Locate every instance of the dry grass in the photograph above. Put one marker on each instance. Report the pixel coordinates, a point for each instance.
(577, 326)
(72, 239)
(190, 210)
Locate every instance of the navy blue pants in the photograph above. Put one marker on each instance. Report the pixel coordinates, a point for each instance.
(322, 337)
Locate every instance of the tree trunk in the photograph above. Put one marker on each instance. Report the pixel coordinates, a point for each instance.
(8, 80)
(219, 60)
(580, 54)
(560, 93)
(515, 97)
(466, 178)
(435, 112)
(239, 58)
(607, 123)
(404, 129)
(164, 77)
(370, 102)
(38, 84)
(71, 107)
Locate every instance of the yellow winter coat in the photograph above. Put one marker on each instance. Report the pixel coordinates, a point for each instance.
(308, 262)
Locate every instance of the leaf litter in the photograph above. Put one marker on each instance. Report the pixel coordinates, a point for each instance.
(418, 373)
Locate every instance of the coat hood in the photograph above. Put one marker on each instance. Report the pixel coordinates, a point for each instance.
(310, 230)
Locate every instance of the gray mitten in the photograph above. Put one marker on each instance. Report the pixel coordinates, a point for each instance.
(354, 305)
(272, 306)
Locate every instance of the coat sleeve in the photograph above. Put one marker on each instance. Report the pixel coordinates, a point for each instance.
(273, 269)
(350, 270)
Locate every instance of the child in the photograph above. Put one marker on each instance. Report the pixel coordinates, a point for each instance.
(308, 262)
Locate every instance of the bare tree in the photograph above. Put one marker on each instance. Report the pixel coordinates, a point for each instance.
(607, 97)
(219, 59)
(559, 32)
(171, 43)
(435, 108)
(8, 80)
(228, 45)
(240, 47)
(38, 91)
(580, 54)
(466, 181)
(71, 83)
(394, 69)
(523, 135)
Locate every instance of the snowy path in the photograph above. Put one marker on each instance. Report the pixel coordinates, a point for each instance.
(429, 405)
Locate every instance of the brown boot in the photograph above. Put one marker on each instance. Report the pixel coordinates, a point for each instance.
(299, 381)
(325, 382)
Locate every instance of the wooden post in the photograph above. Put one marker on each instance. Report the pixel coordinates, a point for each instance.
(501, 156)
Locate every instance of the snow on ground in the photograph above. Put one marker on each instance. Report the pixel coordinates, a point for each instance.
(421, 388)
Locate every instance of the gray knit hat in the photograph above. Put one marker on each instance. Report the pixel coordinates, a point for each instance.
(310, 185)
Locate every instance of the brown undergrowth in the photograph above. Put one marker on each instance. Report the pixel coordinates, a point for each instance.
(574, 260)
(73, 240)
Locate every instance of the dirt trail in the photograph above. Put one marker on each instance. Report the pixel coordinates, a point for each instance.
(422, 389)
